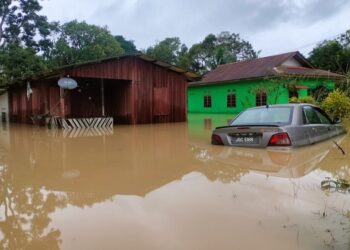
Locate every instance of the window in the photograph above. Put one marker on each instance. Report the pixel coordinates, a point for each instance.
(323, 117)
(260, 99)
(231, 100)
(272, 115)
(315, 116)
(311, 116)
(207, 101)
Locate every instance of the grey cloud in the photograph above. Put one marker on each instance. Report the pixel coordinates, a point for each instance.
(146, 21)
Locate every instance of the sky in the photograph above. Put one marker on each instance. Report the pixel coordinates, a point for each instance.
(271, 26)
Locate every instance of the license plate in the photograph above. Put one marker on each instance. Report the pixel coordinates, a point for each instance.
(244, 140)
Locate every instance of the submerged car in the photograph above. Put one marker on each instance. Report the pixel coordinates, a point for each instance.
(287, 125)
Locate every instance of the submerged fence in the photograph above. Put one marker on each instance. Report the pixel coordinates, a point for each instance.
(81, 123)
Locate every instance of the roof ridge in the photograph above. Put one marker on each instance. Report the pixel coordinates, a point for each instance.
(292, 53)
(300, 67)
(295, 67)
(262, 67)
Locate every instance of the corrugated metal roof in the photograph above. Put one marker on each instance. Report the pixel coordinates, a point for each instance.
(307, 72)
(261, 67)
(191, 76)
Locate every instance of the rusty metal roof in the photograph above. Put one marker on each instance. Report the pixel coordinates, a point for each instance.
(307, 72)
(261, 67)
(190, 76)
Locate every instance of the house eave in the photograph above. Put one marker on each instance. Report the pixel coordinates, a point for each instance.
(199, 83)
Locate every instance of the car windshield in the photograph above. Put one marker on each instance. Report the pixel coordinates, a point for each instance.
(271, 115)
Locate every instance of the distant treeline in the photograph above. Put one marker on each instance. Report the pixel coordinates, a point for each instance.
(30, 44)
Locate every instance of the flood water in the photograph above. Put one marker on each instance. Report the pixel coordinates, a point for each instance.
(165, 187)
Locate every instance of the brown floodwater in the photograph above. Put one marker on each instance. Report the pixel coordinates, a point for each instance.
(165, 187)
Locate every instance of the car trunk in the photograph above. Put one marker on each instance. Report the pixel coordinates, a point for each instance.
(249, 135)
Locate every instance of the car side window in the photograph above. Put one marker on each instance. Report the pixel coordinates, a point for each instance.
(323, 117)
(311, 116)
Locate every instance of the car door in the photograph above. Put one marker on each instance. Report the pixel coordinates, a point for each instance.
(329, 128)
(317, 124)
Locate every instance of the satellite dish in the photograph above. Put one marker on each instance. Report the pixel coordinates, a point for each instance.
(67, 83)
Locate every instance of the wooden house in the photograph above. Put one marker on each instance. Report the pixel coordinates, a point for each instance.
(133, 89)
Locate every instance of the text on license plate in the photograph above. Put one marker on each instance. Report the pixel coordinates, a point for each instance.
(244, 140)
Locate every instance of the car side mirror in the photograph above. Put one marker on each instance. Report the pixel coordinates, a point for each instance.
(337, 120)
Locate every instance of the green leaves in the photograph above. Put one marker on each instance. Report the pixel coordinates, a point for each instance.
(81, 42)
(20, 23)
(333, 55)
(202, 57)
(169, 50)
(220, 49)
(24, 39)
(127, 45)
(19, 63)
(303, 99)
(337, 104)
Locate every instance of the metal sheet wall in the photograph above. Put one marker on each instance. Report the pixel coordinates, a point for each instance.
(132, 93)
(145, 77)
(45, 98)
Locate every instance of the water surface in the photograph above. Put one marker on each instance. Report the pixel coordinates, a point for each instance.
(165, 187)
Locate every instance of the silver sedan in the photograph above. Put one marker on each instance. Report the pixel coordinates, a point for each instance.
(288, 125)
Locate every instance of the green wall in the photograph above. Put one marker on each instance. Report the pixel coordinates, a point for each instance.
(245, 97)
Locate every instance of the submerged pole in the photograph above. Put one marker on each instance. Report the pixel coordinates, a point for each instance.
(103, 97)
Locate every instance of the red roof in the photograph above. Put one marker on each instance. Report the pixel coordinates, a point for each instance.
(262, 67)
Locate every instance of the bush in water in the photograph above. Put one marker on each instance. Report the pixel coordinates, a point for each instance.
(337, 104)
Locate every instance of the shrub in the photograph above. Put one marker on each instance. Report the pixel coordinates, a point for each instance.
(294, 99)
(305, 99)
(337, 104)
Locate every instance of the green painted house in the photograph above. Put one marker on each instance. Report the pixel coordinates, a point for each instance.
(232, 87)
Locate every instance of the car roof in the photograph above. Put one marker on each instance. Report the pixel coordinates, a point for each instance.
(282, 105)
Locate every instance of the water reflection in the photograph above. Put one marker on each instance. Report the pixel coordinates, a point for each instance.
(282, 163)
(25, 213)
(43, 171)
(84, 132)
(130, 160)
(136, 160)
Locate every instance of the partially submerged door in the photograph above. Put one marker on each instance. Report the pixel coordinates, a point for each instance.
(318, 125)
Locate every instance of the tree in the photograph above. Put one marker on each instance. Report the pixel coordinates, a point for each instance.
(204, 56)
(221, 49)
(333, 55)
(127, 45)
(81, 42)
(21, 24)
(19, 63)
(23, 34)
(169, 50)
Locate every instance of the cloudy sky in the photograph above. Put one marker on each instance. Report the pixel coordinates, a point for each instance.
(272, 26)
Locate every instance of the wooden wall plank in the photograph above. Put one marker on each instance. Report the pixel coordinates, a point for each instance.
(136, 91)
